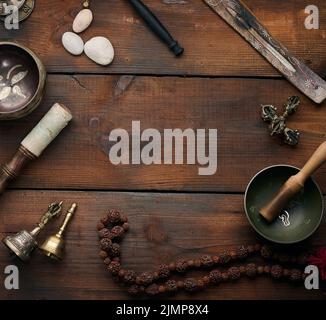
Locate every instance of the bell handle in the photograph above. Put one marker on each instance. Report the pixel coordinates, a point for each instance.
(67, 219)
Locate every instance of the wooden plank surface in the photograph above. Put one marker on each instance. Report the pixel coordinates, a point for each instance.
(78, 159)
(164, 227)
(207, 39)
(224, 82)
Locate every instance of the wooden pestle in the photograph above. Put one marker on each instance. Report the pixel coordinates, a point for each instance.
(293, 185)
(35, 142)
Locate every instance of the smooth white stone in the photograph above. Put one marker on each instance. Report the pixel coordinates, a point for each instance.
(100, 50)
(82, 21)
(73, 43)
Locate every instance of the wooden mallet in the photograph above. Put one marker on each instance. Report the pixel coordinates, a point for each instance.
(293, 185)
(35, 143)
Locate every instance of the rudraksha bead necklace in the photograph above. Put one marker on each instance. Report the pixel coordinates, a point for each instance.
(114, 225)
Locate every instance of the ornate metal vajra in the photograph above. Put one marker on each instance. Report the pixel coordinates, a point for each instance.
(277, 124)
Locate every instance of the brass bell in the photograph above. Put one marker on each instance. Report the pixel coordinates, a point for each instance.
(54, 246)
(23, 243)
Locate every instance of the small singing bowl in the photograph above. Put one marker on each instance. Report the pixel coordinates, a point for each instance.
(298, 221)
(22, 81)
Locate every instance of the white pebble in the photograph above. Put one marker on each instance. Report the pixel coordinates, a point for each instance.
(73, 43)
(100, 50)
(82, 21)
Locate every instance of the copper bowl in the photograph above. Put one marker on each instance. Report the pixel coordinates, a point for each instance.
(22, 81)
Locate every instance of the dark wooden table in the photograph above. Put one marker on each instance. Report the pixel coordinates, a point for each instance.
(220, 82)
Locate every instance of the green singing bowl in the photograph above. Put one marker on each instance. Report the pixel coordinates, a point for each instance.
(298, 221)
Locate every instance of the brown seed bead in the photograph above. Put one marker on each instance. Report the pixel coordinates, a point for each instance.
(295, 275)
(197, 263)
(251, 270)
(105, 244)
(105, 220)
(286, 272)
(266, 252)
(114, 267)
(155, 275)
(191, 263)
(100, 226)
(171, 286)
(225, 276)
(103, 254)
(104, 233)
(224, 257)
(233, 254)
(181, 266)
(114, 216)
(161, 289)
(242, 269)
(124, 218)
(117, 233)
(163, 271)
(180, 284)
(277, 271)
(134, 290)
(126, 226)
(267, 269)
(191, 285)
(152, 290)
(257, 247)
(234, 273)
(251, 249)
(172, 266)
(242, 252)
(216, 259)
(114, 250)
(260, 270)
(107, 261)
(129, 277)
(207, 261)
(215, 277)
(138, 280)
(122, 273)
(146, 278)
(206, 280)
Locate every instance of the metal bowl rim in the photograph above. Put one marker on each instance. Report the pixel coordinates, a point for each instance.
(41, 73)
(263, 235)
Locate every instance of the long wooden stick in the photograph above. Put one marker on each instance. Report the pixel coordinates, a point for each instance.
(36, 141)
(292, 186)
(237, 15)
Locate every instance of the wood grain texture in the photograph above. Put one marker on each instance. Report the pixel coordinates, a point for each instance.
(164, 227)
(78, 159)
(206, 38)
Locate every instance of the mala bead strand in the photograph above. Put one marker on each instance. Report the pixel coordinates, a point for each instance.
(267, 252)
(113, 227)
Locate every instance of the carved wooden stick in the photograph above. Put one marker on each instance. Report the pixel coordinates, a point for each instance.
(35, 143)
(293, 185)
